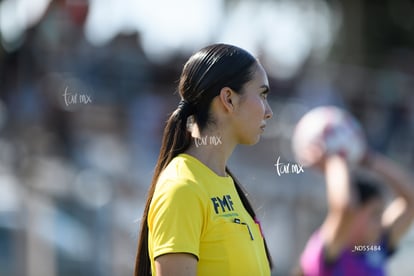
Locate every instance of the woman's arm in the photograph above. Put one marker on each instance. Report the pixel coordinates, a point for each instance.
(176, 264)
(342, 205)
(399, 215)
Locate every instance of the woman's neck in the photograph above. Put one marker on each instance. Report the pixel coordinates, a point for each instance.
(212, 150)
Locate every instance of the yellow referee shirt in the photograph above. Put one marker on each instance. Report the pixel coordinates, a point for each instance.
(198, 212)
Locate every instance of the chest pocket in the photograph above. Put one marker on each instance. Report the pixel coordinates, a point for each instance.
(232, 244)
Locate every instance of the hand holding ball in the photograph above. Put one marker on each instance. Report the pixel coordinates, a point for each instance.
(328, 130)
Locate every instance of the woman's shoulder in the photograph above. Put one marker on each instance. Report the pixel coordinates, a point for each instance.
(180, 175)
(180, 170)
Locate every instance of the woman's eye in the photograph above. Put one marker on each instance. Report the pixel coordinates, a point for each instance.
(264, 95)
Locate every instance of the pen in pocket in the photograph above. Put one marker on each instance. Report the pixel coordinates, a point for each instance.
(236, 220)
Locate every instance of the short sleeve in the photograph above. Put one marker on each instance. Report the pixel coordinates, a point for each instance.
(175, 218)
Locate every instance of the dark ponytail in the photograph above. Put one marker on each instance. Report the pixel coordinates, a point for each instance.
(203, 76)
(176, 139)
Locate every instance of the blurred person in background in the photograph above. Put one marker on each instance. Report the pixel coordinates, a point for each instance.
(358, 234)
(197, 219)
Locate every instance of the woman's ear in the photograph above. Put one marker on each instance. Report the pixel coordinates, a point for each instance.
(228, 98)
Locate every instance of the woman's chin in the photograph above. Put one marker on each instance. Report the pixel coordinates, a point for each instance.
(252, 141)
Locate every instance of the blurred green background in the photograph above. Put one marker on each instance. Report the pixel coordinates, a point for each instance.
(86, 86)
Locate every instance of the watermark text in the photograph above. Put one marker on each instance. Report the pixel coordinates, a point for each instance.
(207, 140)
(366, 248)
(287, 168)
(76, 98)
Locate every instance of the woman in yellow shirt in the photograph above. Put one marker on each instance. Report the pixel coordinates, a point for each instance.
(197, 219)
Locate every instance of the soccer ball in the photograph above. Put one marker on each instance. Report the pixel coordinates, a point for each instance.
(332, 130)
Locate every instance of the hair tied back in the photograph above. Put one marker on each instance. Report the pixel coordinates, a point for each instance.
(185, 108)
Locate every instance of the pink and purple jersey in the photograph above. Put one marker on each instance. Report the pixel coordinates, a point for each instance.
(361, 260)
